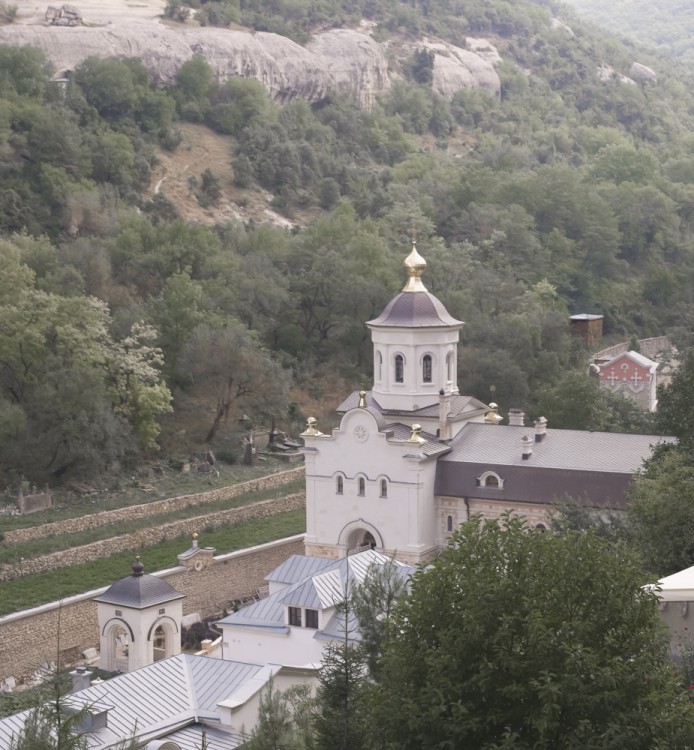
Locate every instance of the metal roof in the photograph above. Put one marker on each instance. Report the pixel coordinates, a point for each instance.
(459, 407)
(139, 590)
(156, 700)
(415, 310)
(322, 590)
(191, 738)
(596, 467)
(296, 568)
(580, 450)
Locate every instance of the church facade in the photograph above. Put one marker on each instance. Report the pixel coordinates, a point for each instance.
(412, 459)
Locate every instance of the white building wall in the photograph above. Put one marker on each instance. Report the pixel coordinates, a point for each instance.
(261, 646)
(403, 520)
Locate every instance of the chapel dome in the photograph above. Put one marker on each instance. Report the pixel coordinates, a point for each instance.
(139, 590)
(415, 307)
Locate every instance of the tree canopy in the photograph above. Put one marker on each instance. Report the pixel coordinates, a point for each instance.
(519, 638)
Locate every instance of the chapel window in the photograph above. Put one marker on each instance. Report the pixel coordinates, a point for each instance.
(426, 368)
(384, 488)
(361, 484)
(399, 368)
(449, 523)
(340, 485)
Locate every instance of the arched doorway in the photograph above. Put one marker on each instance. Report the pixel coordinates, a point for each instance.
(119, 643)
(159, 644)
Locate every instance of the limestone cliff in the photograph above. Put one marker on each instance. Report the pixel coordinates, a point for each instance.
(342, 59)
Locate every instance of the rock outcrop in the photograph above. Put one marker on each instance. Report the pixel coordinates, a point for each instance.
(456, 69)
(341, 59)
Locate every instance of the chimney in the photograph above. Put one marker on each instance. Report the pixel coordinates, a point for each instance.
(526, 447)
(540, 429)
(81, 679)
(444, 409)
(516, 417)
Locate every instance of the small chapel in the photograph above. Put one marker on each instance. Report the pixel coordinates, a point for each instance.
(412, 459)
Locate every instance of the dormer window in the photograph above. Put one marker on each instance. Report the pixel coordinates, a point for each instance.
(295, 616)
(311, 618)
(399, 368)
(339, 485)
(490, 479)
(426, 368)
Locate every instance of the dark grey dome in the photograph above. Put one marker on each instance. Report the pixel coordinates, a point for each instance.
(139, 590)
(415, 310)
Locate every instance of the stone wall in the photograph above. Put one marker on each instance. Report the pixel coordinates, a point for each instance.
(158, 507)
(29, 639)
(150, 536)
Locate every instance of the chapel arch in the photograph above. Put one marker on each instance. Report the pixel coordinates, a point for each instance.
(360, 535)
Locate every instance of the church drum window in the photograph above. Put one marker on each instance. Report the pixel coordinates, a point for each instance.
(449, 367)
(399, 368)
(426, 368)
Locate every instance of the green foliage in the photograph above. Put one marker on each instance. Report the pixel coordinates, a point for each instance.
(284, 720)
(661, 511)
(51, 727)
(674, 415)
(516, 637)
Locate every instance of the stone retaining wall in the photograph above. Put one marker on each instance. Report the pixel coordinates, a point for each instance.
(31, 638)
(155, 508)
(150, 536)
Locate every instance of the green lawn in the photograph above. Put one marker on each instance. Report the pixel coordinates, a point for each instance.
(31, 591)
(13, 552)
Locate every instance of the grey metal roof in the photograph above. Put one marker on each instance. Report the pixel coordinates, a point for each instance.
(460, 407)
(595, 467)
(432, 447)
(415, 310)
(580, 450)
(322, 590)
(296, 568)
(156, 700)
(191, 738)
(139, 591)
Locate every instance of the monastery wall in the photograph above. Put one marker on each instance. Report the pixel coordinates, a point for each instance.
(150, 536)
(158, 507)
(34, 637)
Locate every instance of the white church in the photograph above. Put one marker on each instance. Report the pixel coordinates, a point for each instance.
(412, 459)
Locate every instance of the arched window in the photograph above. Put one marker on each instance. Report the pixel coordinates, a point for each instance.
(449, 523)
(379, 367)
(339, 485)
(491, 481)
(449, 366)
(426, 368)
(361, 484)
(384, 488)
(399, 368)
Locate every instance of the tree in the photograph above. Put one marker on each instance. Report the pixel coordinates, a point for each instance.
(339, 723)
(373, 602)
(283, 720)
(661, 511)
(521, 638)
(230, 370)
(674, 415)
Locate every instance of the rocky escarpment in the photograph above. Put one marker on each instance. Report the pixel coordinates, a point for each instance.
(342, 59)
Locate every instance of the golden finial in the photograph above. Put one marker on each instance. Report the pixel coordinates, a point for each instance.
(415, 266)
(416, 436)
(362, 399)
(195, 535)
(311, 429)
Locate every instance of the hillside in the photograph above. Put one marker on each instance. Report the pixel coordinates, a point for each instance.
(183, 260)
(666, 25)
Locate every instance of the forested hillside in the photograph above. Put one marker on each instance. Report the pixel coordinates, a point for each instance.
(667, 25)
(125, 329)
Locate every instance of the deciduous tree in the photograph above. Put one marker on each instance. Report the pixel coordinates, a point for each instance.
(519, 638)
